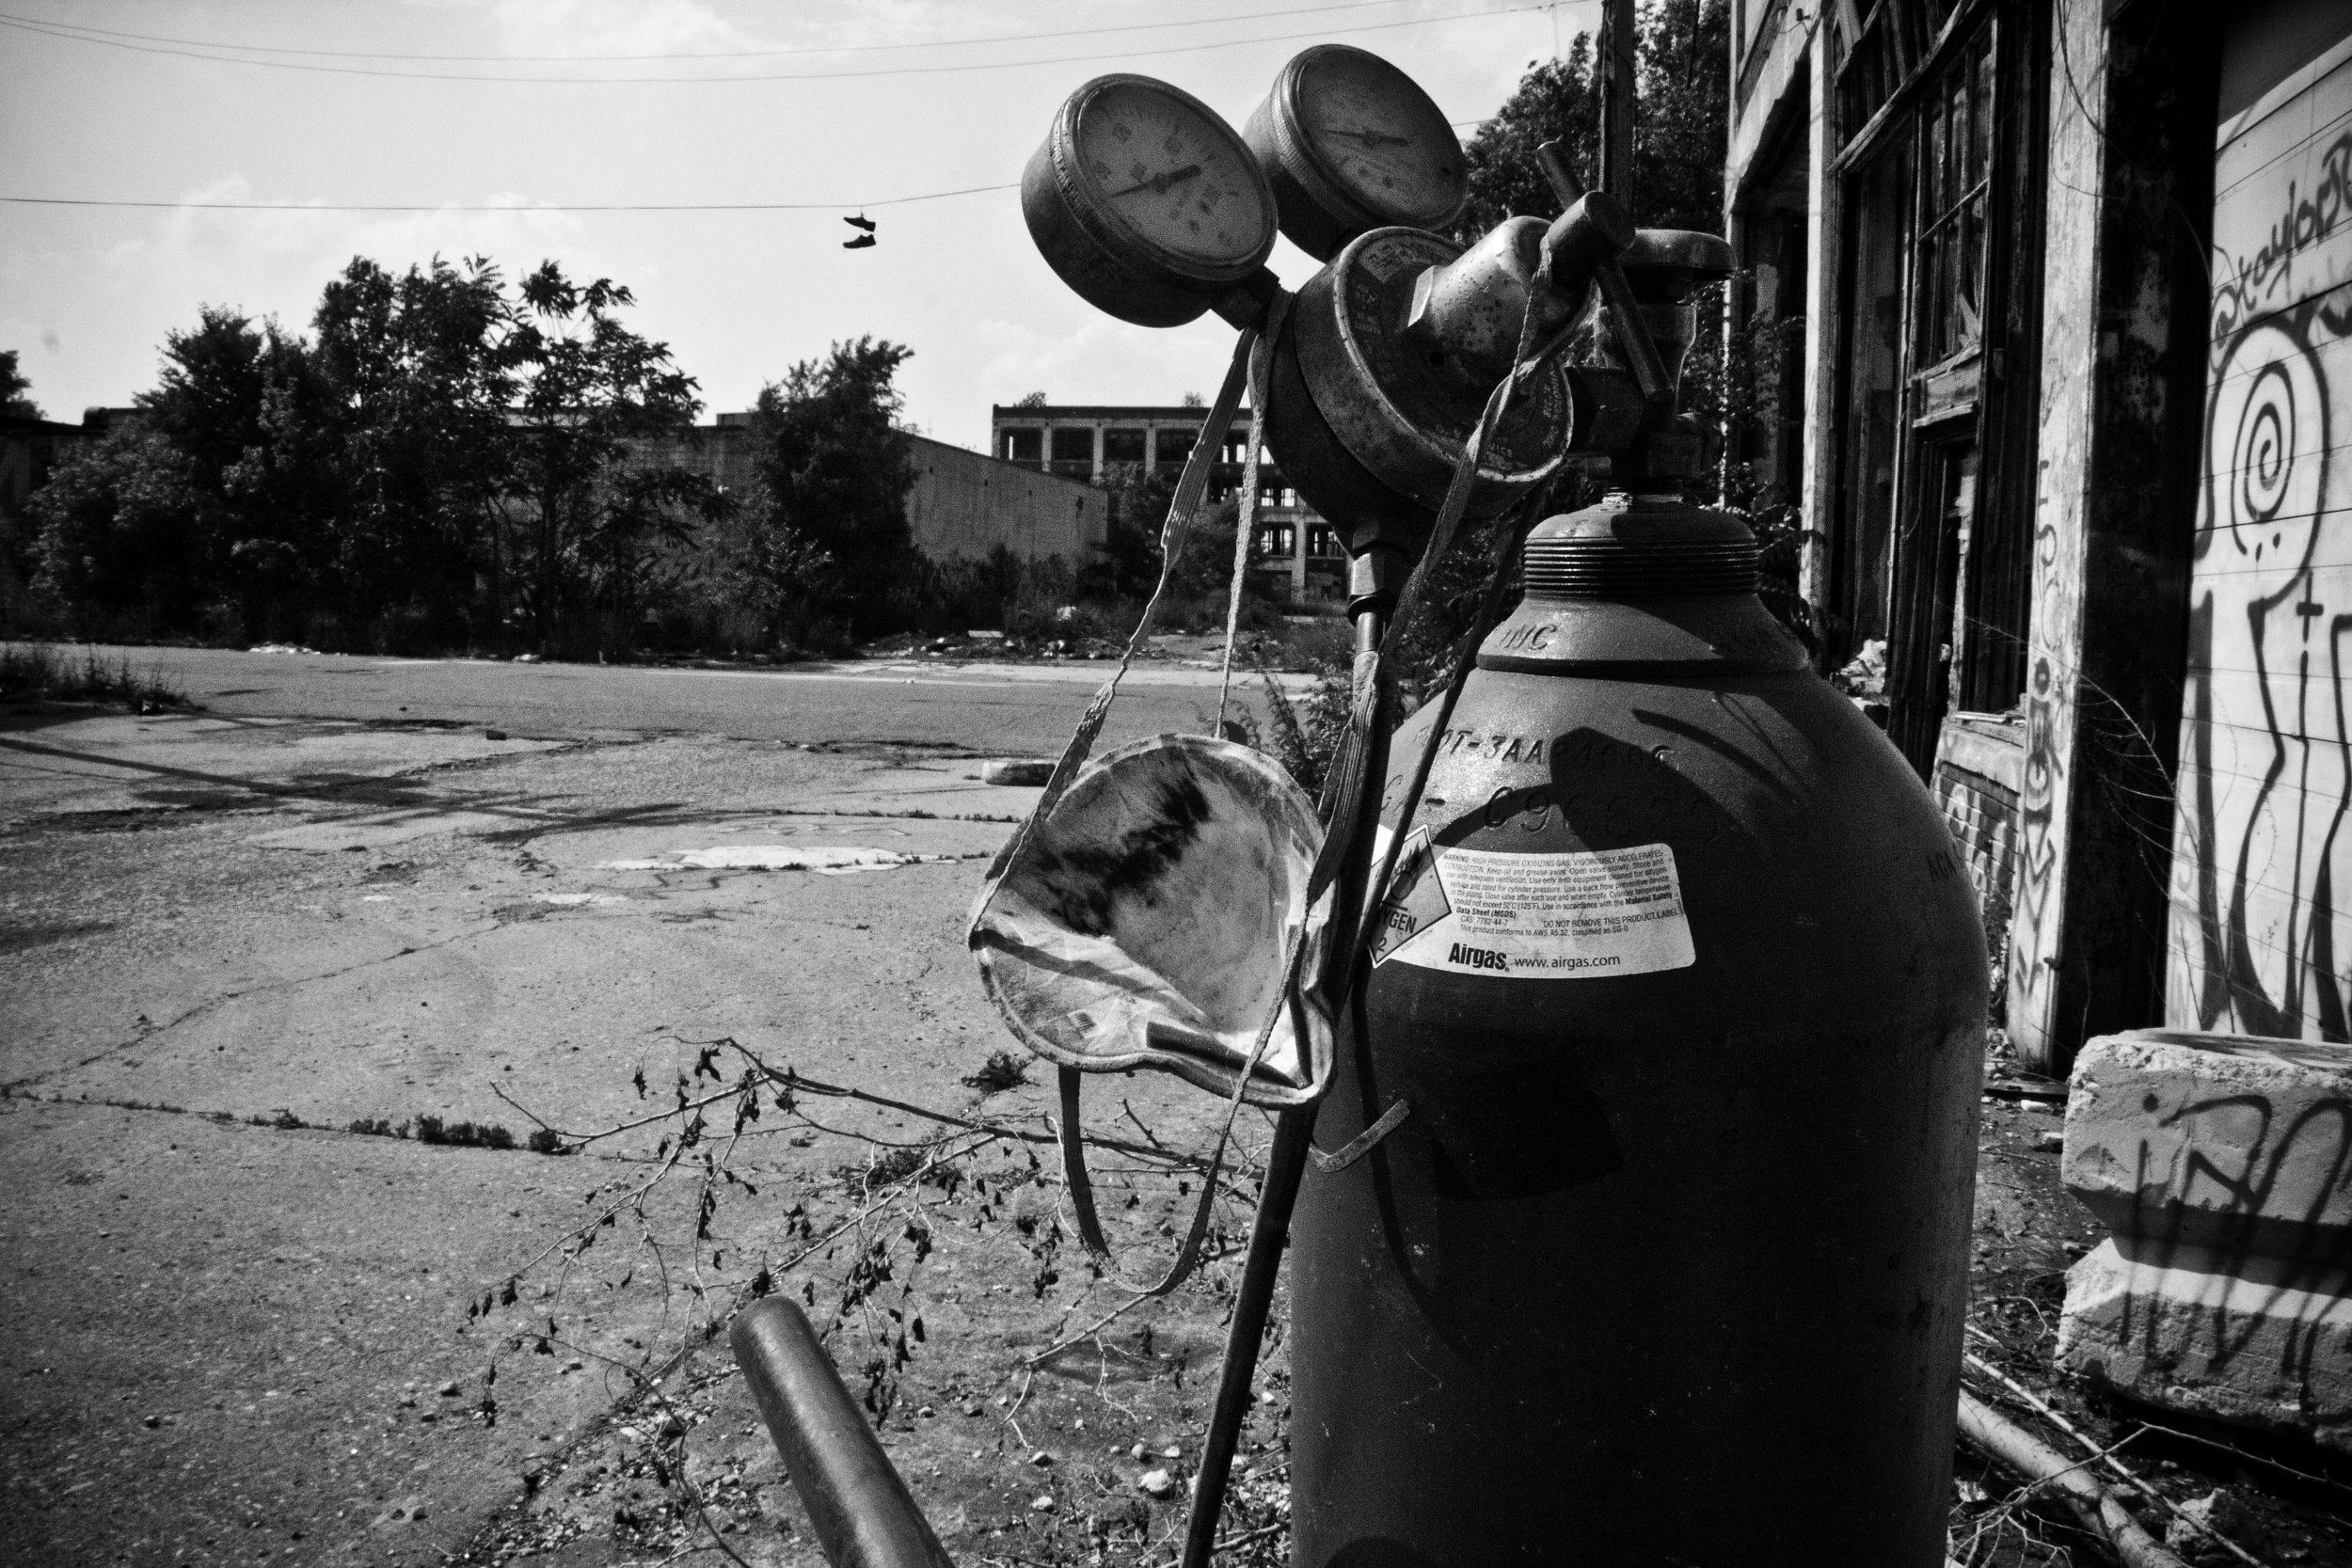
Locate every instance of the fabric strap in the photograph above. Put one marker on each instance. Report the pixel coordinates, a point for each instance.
(1353, 781)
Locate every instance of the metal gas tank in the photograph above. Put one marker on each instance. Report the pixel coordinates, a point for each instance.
(1684, 987)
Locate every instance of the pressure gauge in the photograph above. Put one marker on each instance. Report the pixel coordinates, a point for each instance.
(1146, 202)
(1352, 144)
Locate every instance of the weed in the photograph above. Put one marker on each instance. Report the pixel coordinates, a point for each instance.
(1304, 736)
(890, 1167)
(1002, 1070)
(542, 1140)
(39, 672)
(376, 1127)
(463, 1134)
(283, 1119)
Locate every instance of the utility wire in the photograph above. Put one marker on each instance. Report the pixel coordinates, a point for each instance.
(44, 30)
(608, 206)
(102, 33)
(535, 207)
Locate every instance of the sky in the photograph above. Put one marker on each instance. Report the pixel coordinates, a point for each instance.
(531, 107)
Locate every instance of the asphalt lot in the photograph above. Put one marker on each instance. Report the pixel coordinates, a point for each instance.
(245, 1329)
(995, 709)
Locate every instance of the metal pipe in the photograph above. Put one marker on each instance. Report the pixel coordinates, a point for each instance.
(862, 1512)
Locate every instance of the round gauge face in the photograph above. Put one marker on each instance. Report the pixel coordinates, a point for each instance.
(1167, 170)
(1378, 137)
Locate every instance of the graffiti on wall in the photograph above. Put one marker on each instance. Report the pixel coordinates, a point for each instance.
(2263, 914)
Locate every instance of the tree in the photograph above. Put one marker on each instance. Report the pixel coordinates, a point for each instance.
(834, 469)
(13, 386)
(416, 378)
(1680, 125)
(1554, 101)
(239, 404)
(115, 542)
(587, 388)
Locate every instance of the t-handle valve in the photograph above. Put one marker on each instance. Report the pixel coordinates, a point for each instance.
(1649, 370)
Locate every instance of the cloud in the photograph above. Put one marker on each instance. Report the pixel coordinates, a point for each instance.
(193, 240)
(1103, 361)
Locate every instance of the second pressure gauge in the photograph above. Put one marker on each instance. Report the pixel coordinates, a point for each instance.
(1146, 202)
(1352, 144)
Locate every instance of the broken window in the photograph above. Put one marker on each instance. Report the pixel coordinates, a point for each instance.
(1073, 453)
(1940, 280)
(1171, 447)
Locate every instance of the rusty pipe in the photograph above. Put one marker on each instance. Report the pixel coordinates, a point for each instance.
(863, 1514)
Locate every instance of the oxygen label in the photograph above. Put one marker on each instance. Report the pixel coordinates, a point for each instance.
(1416, 899)
(1539, 917)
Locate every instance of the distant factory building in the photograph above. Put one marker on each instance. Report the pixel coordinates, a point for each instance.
(1299, 555)
(963, 503)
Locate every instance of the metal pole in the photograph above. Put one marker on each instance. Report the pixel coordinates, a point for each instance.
(863, 1514)
(1293, 1131)
(1613, 65)
(1286, 1162)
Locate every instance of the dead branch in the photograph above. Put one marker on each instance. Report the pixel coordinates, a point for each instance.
(2044, 1466)
(1979, 1364)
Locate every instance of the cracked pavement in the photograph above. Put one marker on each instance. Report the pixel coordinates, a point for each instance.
(225, 937)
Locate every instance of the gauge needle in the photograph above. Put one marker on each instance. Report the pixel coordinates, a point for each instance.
(1371, 139)
(1159, 182)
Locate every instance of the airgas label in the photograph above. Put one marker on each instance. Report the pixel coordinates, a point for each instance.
(1541, 917)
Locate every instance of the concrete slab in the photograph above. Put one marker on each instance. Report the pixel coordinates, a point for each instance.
(268, 1291)
(2222, 1168)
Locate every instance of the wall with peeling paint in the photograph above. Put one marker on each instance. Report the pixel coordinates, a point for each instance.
(2069, 355)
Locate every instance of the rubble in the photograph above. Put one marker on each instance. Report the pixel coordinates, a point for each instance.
(2221, 1166)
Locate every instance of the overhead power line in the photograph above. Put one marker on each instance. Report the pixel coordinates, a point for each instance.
(50, 30)
(97, 34)
(535, 207)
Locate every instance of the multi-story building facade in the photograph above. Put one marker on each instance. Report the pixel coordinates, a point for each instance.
(2051, 304)
(1299, 555)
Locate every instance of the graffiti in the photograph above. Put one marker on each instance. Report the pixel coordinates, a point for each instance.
(2273, 1278)
(2309, 217)
(2268, 781)
(2040, 802)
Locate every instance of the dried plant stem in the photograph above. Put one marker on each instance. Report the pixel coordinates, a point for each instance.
(1087, 1333)
(786, 1078)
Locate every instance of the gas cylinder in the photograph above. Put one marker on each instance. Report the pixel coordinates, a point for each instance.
(1683, 988)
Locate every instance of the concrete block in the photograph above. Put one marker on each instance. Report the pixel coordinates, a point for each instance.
(2221, 1165)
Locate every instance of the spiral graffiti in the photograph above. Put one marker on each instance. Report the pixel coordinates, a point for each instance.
(2268, 446)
